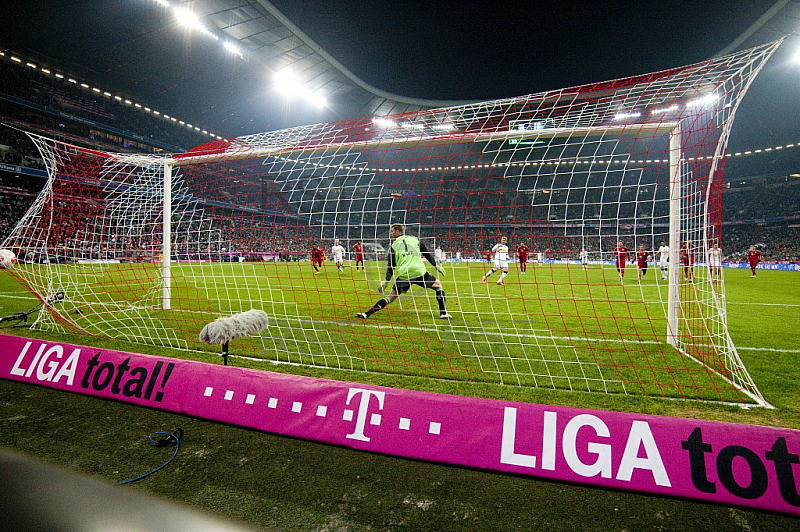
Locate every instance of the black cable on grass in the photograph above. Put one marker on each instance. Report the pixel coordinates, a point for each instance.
(170, 438)
(23, 316)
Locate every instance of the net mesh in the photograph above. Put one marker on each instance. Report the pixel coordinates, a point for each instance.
(584, 183)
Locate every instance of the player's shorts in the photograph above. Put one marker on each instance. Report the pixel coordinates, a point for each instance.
(359, 258)
(501, 265)
(643, 267)
(404, 285)
(664, 263)
(316, 261)
(523, 259)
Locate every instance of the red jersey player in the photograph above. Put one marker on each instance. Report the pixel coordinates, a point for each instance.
(358, 247)
(753, 257)
(642, 257)
(316, 258)
(522, 255)
(620, 258)
(687, 260)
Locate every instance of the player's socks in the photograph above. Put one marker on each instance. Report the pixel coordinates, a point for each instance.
(376, 307)
(502, 276)
(440, 299)
(490, 272)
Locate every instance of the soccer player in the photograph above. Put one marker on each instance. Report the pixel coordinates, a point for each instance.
(620, 258)
(500, 251)
(584, 259)
(663, 259)
(522, 255)
(642, 257)
(438, 255)
(337, 252)
(753, 257)
(407, 267)
(715, 263)
(358, 247)
(316, 258)
(687, 260)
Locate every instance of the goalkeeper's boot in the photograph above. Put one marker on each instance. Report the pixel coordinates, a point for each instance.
(445, 316)
(361, 315)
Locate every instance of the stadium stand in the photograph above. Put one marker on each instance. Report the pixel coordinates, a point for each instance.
(64, 109)
(762, 210)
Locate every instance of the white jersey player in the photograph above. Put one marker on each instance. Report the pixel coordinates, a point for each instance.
(337, 252)
(584, 258)
(663, 259)
(715, 262)
(438, 254)
(500, 252)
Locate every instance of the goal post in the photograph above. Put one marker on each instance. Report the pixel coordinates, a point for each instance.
(249, 223)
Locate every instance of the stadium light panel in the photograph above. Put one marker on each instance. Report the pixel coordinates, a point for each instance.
(232, 48)
(287, 83)
(59, 76)
(190, 20)
(384, 122)
(703, 100)
(31, 65)
(16, 59)
(625, 115)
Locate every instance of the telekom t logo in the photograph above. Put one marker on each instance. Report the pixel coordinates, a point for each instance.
(363, 407)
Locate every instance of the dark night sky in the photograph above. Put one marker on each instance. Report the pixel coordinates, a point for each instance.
(442, 50)
(484, 50)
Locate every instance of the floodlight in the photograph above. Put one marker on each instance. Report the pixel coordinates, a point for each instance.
(232, 48)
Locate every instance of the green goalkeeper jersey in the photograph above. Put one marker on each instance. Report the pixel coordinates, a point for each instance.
(407, 257)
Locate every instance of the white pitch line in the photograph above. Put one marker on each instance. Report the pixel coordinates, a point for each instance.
(769, 349)
(764, 304)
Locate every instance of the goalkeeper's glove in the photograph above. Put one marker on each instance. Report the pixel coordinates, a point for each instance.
(382, 286)
(440, 269)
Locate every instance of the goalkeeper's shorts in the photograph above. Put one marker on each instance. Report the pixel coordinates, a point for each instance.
(404, 285)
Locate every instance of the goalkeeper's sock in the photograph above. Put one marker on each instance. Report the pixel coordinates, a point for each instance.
(376, 307)
(441, 300)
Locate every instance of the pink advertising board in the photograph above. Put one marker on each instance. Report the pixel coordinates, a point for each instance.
(725, 463)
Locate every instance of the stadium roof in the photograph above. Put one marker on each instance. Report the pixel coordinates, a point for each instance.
(138, 48)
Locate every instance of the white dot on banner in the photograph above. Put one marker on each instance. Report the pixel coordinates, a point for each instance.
(273, 403)
(347, 415)
(229, 395)
(250, 399)
(209, 391)
(322, 411)
(435, 428)
(375, 419)
(405, 423)
(297, 406)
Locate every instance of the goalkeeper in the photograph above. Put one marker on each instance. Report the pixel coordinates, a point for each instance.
(405, 264)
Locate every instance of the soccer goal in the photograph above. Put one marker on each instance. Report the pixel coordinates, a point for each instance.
(585, 183)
